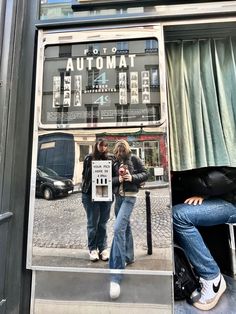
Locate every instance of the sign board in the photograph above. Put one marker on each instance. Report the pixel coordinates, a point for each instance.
(158, 171)
(101, 180)
(100, 84)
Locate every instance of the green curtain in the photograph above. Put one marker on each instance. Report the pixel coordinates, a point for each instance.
(201, 85)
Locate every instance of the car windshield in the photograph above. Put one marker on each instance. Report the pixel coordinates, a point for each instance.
(46, 172)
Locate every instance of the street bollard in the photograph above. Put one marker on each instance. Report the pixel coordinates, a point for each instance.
(149, 223)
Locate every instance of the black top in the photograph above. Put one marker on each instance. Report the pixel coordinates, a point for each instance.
(205, 182)
(136, 169)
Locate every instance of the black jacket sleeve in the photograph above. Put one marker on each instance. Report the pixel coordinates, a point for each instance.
(140, 173)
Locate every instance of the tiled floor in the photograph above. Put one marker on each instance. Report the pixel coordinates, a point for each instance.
(226, 305)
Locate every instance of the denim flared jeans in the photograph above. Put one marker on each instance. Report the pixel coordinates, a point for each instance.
(98, 214)
(122, 249)
(186, 219)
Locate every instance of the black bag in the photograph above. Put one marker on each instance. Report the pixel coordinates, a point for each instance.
(186, 283)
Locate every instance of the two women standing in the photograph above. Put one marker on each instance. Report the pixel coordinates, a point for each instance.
(128, 173)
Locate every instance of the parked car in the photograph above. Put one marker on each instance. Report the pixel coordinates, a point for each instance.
(50, 185)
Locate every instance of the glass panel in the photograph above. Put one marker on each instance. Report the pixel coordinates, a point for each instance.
(115, 93)
(101, 84)
(66, 292)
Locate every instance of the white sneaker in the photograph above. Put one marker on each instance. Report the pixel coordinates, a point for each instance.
(104, 255)
(211, 292)
(93, 256)
(114, 290)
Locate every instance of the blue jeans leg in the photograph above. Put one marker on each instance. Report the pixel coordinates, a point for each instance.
(97, 216)
(105, 208)
(186, 219)
(122, 244)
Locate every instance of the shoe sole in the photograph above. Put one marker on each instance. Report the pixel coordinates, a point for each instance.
(94, 259)
(114, 297)
(104, 259)
(211, 305)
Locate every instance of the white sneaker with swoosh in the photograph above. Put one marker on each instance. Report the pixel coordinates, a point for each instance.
(211, 292)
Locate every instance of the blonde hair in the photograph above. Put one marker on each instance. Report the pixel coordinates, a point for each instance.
(124, 144)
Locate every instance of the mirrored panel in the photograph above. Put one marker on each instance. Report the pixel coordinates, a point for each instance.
(89, 292)
(91, 96)
(60, 223)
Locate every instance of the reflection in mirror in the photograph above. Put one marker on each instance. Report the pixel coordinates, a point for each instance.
(101, 84)
(60, 222)
(109, 89)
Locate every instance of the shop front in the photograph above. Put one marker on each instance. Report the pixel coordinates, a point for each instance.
(102, 70)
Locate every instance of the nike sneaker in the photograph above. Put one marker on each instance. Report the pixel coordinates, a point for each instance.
(211, 292)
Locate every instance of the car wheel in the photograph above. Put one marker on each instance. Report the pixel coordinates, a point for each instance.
(47, 194)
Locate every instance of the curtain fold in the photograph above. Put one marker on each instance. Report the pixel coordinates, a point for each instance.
(201, 87)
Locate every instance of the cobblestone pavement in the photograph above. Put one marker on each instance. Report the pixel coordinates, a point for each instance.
(61, 223)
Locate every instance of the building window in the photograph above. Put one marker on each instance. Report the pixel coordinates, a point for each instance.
(154, 75)
(151, 46)
(92, 77)
(84, 151)
(92, 113)
(93, 49)
(121, 11)
(122, 47)
(94, 12)
(151, 154)
(122, 113)
(65, 51)
(154, 112)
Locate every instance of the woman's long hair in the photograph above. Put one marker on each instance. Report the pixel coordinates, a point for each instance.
(98, 155)
(124, 144)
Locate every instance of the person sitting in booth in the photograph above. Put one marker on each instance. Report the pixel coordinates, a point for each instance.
(203, 197)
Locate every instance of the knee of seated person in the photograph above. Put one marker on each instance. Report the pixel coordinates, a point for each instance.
(177, 212)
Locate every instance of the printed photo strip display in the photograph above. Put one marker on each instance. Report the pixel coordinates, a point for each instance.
(78, 90)
(134, 88)
(56, 91)
(67, 91)
(145, 87)
(122, 88)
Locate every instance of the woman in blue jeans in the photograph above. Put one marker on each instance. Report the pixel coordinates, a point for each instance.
(209, 196)
(128, 173)
(98, 213)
